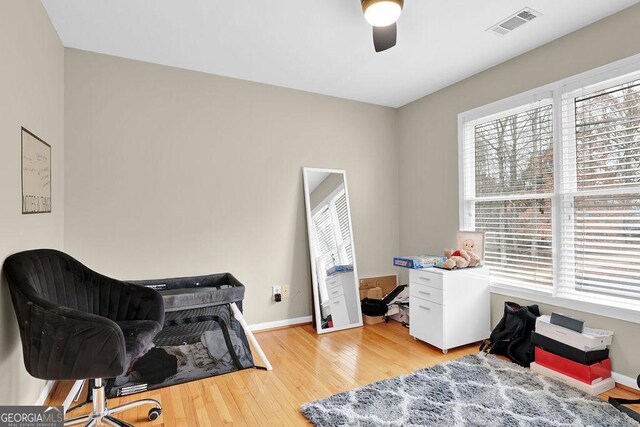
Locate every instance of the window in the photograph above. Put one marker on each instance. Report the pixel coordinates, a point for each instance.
(600, 205)
(331, 221)
(553, 179)
(342, 214)
(509, 164)
(332, 236)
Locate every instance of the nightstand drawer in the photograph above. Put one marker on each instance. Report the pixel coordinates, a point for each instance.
(426, 278)
(334, 281)
(426, 292)
(339, 311)
(426, 321)
(336, 291)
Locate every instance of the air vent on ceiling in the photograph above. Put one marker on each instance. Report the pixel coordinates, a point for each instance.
(514, 21)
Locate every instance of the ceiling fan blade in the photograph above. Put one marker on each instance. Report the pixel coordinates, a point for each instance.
(385, 37)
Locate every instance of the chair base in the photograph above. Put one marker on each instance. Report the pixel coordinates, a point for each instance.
(101, 415)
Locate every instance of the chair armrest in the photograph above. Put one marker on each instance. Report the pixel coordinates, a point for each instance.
(60, 343)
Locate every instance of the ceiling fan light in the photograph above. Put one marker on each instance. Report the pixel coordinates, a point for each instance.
(382, 13)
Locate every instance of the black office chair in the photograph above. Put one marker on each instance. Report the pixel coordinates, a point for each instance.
(76, 324)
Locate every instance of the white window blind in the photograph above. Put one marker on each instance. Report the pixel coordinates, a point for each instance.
(333, 232)
(327, 244)
(514, 153)
(508, 163)
(342, 212)
(555, 186)
(600, 224)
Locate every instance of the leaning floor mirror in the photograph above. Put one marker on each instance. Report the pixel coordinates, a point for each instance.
(333, 257)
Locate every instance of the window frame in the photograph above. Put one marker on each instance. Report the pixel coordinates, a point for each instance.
(330, 203)
(590, 80)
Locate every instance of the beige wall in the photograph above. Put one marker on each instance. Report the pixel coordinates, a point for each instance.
(429, 143)
(32, 88)
(173, 172)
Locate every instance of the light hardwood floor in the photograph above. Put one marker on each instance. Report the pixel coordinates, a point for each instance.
(306, 367)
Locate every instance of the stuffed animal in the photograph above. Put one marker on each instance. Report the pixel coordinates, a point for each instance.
(460, 259)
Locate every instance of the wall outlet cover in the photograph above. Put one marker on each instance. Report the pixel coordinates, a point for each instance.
(285, 291)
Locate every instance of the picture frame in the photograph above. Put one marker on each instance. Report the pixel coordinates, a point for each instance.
(471, 241)
(36, 174)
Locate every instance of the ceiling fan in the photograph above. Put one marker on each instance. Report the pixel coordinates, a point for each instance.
(383, 15)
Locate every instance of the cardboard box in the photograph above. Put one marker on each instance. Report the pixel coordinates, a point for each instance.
(420, 261)
(385, 283)
(589, 340)
(571, 353)
(372, 320)
(373, 293)
(339, 269)
(588, 374)
(593, 389)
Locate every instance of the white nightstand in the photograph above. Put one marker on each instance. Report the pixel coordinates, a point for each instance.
(343, 298)
(449, 308)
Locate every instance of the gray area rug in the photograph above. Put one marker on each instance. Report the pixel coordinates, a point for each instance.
(471, 391)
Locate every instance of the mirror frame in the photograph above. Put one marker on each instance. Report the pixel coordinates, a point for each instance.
(314, 276)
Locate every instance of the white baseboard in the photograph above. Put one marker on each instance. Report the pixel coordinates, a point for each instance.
(46, 391)
(625, 381)
(280, 323)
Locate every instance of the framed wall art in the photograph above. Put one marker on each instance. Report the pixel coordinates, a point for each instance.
(36, 174)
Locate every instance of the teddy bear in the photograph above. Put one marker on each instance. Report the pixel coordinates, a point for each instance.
(461, 258)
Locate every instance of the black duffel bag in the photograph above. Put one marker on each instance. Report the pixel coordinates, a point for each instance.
(512, 336)
(618, 403)
(374, 307)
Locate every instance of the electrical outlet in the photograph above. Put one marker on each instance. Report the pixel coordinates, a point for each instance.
(285, 291)
(276, 291)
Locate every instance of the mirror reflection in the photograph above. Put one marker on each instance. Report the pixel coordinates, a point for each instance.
(334, 273)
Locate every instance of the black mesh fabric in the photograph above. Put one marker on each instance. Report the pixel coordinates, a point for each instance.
(200, 337)
(183, 293)
(186, 327)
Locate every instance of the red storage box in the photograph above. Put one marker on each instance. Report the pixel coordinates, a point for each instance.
(586, 373)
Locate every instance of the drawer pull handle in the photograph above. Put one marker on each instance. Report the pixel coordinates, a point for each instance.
(334, 292)
(426, 308)
(424, 278)
(425, 293)
(336, 302)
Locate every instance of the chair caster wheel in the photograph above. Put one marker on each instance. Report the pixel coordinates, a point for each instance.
(154, 413)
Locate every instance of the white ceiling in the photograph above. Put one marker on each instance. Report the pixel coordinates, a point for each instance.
(322, 46)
